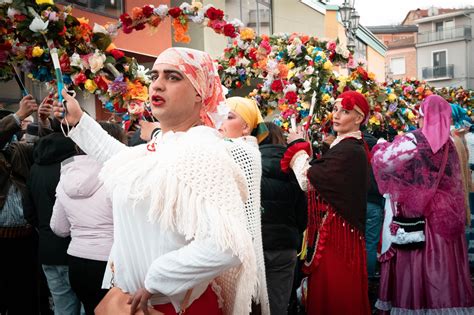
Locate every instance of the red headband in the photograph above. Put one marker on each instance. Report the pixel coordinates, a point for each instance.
(354, 100)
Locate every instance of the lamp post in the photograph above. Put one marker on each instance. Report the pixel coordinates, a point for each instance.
(350, 20)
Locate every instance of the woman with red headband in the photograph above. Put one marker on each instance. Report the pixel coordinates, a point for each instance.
(337, 185)
(424, 266)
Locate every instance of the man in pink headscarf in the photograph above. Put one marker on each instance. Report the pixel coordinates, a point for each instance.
(179, 223)
(425, 269)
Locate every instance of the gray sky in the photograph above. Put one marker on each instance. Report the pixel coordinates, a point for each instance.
(383, 12)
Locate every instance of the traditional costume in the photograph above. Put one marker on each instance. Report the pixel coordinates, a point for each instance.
(425, 271)
(337, 185)
(179, 220)
(246, 154)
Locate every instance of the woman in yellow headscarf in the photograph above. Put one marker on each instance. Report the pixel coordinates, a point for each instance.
(244, 119)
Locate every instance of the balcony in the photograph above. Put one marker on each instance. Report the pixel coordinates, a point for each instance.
(462, 32)
(438, 73)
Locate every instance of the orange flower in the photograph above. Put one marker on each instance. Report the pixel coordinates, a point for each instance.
(283, 69)
(155, 21)
(136, 91)
(265, 37)
(83, 20)
(110, 47)
(137, 13)
(247, 33)
(262, 64)
(181, 31)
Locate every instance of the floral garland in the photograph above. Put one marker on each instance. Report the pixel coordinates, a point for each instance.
(89, 59)
(291, 67)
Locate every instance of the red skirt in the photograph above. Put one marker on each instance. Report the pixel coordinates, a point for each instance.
(207, 304)
(337, 282)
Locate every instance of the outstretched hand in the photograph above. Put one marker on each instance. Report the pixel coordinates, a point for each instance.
(27, 107)
(73, 112)
(295, 134)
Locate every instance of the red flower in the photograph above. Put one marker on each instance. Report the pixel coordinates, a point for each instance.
(126, 20)
(117, 54)
(5, 46)
(277, 86)
(175, 12)
(19, 17)
(29, 52)
(292, 97)
(80, 79)
(232, 62)
(127, 30)
(140, 26)
(229, 31)
(253, 54)
(217, 25)
(214, 14)
(63, 32)
(101, 84)
(64, 63)
(147, 11)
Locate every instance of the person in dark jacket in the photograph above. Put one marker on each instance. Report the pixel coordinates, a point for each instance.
(375, 212)
(49, 152)
(18, 239)
(283, 220)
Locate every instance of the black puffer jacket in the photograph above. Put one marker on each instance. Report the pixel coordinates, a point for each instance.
(284, 214)
(49, 152)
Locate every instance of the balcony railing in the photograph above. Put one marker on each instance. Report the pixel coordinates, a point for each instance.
(433, 73)
(445, 34)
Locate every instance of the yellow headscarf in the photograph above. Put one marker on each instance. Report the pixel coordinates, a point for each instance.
(248, 110)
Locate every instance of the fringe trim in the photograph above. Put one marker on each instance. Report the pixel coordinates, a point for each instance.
(387, 307)
(326, 225)
(187, 197)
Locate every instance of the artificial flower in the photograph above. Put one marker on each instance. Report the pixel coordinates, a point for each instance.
(247, 34)
(90, 86)
(214, 14)
(96, 61)
(99, 29)
(37, 51)
(40, 2)
(38, 25)
(327, 65)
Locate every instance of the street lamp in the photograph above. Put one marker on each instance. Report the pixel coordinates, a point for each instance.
(350, 20)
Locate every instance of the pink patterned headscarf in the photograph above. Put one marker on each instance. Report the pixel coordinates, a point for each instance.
(199, 68)
(437, 120)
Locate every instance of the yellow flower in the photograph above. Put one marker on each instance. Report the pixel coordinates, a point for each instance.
(285, 125)
(291, 74)
(411, 116)
(39, 2)
(322, 54)
(90, 86)
(247, 34)
(372, 76)
(291, 65)
(392, 97)
(326, 98)
(327, 65)
(374, 121)
(309, 49)
(37, 51)
(196, 5)
(83, 20)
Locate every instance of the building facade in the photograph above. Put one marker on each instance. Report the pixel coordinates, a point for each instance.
(400, 58)
(445, 49)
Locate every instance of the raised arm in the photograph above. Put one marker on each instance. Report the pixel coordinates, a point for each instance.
(87, 133)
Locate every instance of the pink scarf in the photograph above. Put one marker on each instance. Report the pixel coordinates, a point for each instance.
(437, 120)
(201, 71)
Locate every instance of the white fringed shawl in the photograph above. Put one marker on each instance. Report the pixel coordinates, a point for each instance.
(197, 190)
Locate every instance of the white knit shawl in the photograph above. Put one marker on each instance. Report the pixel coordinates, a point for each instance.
(197, 190)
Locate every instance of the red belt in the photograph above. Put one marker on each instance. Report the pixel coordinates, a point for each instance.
(16, 231)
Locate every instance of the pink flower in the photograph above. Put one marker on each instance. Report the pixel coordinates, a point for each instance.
(351, 64)
(331, 45)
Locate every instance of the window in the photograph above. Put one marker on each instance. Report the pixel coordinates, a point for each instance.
(397, 65)
(360, 50)
(112, 8)
(256, 14)
(439, 58)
